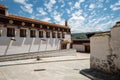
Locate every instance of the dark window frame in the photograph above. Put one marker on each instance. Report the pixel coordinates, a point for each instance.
(10, 32)
(63, 35)
(0, 32)
(59, 35)
(41, 34)
(32, 33)
(47, 34)
(23, 33)
(2, 12)
(53, 34)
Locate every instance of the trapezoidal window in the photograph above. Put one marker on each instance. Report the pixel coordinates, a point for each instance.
(0, 32)
(2, 12)
(10, 32)
(23, 33)
(40, 34)
(58, 35)
(53, 35)
(47, 34)
(32, 33)
(63, 35)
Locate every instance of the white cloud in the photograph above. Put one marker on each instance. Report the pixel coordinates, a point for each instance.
(62, 1)
(63, 5)
(75, 22)
(50, 5)
(107, 1)
(81, 1)
(92, 23)
(57, 18)
(69, 3)
(105, 9)
(25, 6)
(115, 6)
(68, 11)
(92, 6)
(77, 13)
(20, 1)
(77, 4)
(101, 0)
(41, 11)
(46, 19)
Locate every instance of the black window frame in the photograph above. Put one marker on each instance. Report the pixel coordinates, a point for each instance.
(0, 32)
(53, 34)
(47, 34)
(2, 11)
(41, 34)
(10, 32)
(23, 33)
(32, 33)
(63, 35)
(58, 35)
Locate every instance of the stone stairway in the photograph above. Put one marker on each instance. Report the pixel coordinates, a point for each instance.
(42, 54)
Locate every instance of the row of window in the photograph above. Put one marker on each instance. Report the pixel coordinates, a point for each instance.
(11, 33)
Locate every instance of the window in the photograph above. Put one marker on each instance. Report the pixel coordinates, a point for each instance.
(0, 32)
(22, 32)
(63, 35)
(41, 34)
(2, 12)
(32, 33)
(53, 35)
(58, 34)
(10, 32)
(47, 34)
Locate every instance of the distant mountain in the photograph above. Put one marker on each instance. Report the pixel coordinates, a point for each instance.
(82, 35)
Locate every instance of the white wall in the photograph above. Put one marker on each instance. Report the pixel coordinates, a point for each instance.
(105, 51)
(79, 47)
(99, 50)
(115, 45)
(68, 37)
(27, 44)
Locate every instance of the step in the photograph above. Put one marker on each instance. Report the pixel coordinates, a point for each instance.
(70, 52)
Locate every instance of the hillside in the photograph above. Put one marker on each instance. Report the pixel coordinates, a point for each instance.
(82, 35)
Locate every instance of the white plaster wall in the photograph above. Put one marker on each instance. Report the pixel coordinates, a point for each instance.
(79, 47)
(115, 45)
(68, 37)
(100, 46)
(27, 44)
(100, 49)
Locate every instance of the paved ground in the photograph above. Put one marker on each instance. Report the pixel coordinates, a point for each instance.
(52, 68)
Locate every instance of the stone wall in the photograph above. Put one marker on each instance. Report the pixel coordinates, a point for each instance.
(105, 51)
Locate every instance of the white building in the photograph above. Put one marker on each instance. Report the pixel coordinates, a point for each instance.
(105, 50)
(81, 45)
(24, 35)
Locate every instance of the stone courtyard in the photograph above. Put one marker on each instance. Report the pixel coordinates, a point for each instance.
(51, 68)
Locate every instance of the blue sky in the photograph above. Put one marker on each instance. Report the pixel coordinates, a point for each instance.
(82, 15)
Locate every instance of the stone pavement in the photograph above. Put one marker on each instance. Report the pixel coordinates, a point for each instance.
(52, 68)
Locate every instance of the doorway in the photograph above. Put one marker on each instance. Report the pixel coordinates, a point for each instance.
(63, 46)
(87, 48)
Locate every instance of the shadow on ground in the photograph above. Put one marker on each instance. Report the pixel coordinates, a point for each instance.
(98, 75)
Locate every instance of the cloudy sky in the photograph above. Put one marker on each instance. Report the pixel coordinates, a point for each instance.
(82, 15)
